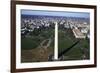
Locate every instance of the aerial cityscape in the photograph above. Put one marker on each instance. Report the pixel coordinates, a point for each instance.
(38, 35)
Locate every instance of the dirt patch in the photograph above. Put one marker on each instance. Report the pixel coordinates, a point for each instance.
(36, 55)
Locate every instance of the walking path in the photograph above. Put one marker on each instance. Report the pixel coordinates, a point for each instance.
(47, 44)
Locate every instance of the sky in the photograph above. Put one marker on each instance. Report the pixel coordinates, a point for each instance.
(56, 13)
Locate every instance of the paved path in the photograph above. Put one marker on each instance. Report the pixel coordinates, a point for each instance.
(47, 45)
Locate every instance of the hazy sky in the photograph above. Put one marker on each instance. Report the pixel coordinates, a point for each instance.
(56, 13)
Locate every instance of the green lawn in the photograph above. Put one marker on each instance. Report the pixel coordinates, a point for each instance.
(29, 43)
(34, 41)
(31, 51)
(66, 39)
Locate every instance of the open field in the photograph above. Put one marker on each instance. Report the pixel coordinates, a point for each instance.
(37, 48)
(66, 39)
(33, 48)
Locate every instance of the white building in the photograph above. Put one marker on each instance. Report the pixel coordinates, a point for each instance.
(78, 34)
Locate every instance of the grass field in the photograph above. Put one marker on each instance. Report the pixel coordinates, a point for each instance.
(30, 43)
(66, 39)
(31, 48)
(32, 51)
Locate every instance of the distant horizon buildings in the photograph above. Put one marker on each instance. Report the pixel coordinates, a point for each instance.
(55, 13)
(78, 25)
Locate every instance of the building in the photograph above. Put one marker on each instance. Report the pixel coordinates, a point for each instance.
(78, 34)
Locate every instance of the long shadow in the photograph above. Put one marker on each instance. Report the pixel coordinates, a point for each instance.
(50, 58)
(66, 50)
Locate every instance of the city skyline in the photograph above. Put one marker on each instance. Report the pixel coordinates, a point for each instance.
(55, 13)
